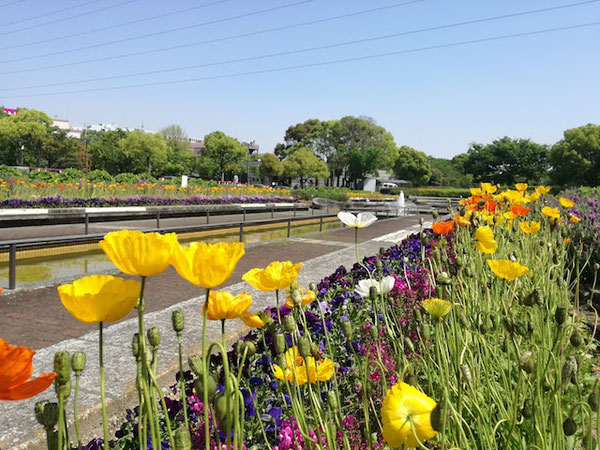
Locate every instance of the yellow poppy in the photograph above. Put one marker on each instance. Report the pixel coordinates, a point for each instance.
(406, 416)
(506, 269)
(566, 203)
(99, 298)
(529, 227)
(521, 187)
(207, 265)
(137, 253)
(542, 190)
(513, 197)
(223, 305)
(509, 215)
(488, 188)
(463, 221)
(574, 219)
(300, 370)
(532, 198)
(484, 240)
(553, 213)
(277, 275)
(436, 307)
(252, 320)
(308, 297)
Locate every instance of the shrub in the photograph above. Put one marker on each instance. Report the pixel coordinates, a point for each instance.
(126, 177)
(42, 175)
(9, 172)
(99, 175)
(437, 192)
(337, 194)
(70, 175)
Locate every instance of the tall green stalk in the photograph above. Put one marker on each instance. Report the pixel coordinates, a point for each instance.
(102, 390)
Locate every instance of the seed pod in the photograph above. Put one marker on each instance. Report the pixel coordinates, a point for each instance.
(436, 415)
(560, 315)
(332, 400)
(177, 321)
(347, 329)
(46, 413)
(304, 347)
(569, 426)
(78, 362)
(289, 324)
(312, 286)
(211, 386)
(62, 367)
(182, 438)
(195, 363)
(527, 410)
(466, 374)
(135, 346)
(154, 336)
(373, 293)
(576, 339)
(569, 369)
(279, 342)
(527, 361)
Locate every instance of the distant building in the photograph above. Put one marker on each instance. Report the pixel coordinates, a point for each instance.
(10, 111)
(197, 145)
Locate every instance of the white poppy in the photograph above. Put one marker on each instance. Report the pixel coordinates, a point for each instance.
(364, 286)
(361, 220)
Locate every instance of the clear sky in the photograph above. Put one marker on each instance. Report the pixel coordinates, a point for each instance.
(436, 100)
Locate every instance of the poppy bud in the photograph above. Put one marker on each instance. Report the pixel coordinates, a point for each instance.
(462, 320)
(596, 267)
(195, 363)
(408, 345)
(379, 265)
(508, 324)
(593, 398)
(154, 336)
(527, 410)
(405, 260)
(46, 413)
(436, 415)
(435, 215)
(458, 261)
(569, 426)
(304, 347)
(312, 286)
(182, 438)
(177, 321)
(62, 367)
(224, 414)
(569, 369)
(374, 332)
(279, 343)
(135, 345)
(527, 300)
(425, 331)
(297, 297)
(211, 386)
(527, 362)
(417, 315)
(78, 362)
(347, 329)
(281, 361)
(332, 400)
(560, 315)
(314, 351)
(381, 251)
(289, 324)
(247, 346)
(444, 279)
(468, 272)
(421, 221)
(373, 293)
(466, 373)
(576, 339)
(63, 389)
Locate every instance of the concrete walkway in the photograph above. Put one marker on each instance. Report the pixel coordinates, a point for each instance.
(37, 319)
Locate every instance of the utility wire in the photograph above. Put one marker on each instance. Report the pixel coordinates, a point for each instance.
(11, 3)
(160, 33)
(297, 51)
(111, 27)
(211, 41)
(64, 19)
(318, 64)
(50, 13)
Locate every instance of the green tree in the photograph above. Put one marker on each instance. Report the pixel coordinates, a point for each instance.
(144, 151)
(507, 161)
(60, 151)
(223, 152)
(105, 153)
(270, 166)
(412, 165)
(21, 137)
(449, 172)
(299, 135)
(575, 159)
(180, 158)
(303, 164)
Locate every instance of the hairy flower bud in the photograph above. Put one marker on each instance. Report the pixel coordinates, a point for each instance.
(408, 345)
(374, 331)
(569, 369)
(249, 347)
(154, 336)
(560, 315)
(527, 361)
(596, 267)
(436, 415)
(569, 426)
(279, 342)
(223, 413)
(576, 339)
(379, 266)
(527, 410)
(508, 324)
(332, 400)
(444, 279)
(297, 297)
(182, 438)
(46, 413)
(314, 351)
(304, 347)
(347, 329)
(62, 367)
(373, 293)
(211, 386)
(78, 362)
(466, 374)
(593, 399)
(135, 346)
(195, 363)
(177, 321)
(289, 324)
(312, 286)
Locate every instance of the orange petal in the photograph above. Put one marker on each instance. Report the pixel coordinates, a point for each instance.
(28, 389)
(16, 364)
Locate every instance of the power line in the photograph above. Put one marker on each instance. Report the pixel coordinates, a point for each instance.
(64, 19)
(11, 3)
(111, 27)
(215, 40)
(50, 13)
(317, 64)
(304, 50)
(160, 33)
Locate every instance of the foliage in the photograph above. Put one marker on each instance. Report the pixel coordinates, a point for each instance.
(70, 175)
(42, 175)
(507, 161)
(303, 164)
(412, 165)
(575, 159)
(142, 151)
(126, 177)
(104, 151)
(22, 136)
(9, 172)
(448, 172)
(437, 192)
(308, 193)
(99, 175)
(224, 152)
(180, 158)
(271, 166)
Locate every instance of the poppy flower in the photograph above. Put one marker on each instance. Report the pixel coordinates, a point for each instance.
(521, 187)
(519, 210)
(361, 220)
(223, 305)
(252, 320)
(463, 221)
(566, 203)
(364, 286)
(301, 370)
(137, 253)
(529, 227)
(308, 297)
(207, 265)
(442, 228)
(506, 269)
(277, 275)
(553, 213)
(406, 416)
(542, 190)
(436, 307)
(574, 219)
(484, 240)
(16, 367)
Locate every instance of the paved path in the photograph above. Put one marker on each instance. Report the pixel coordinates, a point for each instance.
(37, 319)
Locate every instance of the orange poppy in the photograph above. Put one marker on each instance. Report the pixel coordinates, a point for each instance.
(462, 221)
(16, 367)
(443, 227)
(519, 210)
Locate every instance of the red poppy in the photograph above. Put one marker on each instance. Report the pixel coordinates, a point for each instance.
(16, 367)
(443, 227)
(519, 210)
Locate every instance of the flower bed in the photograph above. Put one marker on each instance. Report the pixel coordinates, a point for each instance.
(463, 336)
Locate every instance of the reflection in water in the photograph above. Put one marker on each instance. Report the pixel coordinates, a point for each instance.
(59, 268)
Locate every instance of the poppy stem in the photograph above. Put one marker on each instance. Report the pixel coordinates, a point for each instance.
(102, 393)
(278, 312)
(75, 418)
(205, 373)
(182, 383)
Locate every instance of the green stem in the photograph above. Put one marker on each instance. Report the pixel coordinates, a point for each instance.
(182, 383)
(205, 373)
(61, 422)
(75, 418)
(102, 390)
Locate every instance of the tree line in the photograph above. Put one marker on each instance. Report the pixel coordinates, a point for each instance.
(342, 152)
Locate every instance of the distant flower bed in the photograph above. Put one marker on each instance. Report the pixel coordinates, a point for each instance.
(61, 202)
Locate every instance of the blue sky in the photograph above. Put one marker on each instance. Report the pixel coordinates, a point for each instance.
(437, 101)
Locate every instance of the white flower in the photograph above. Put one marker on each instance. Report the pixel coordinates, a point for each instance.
(359, 221)
(364, 286)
